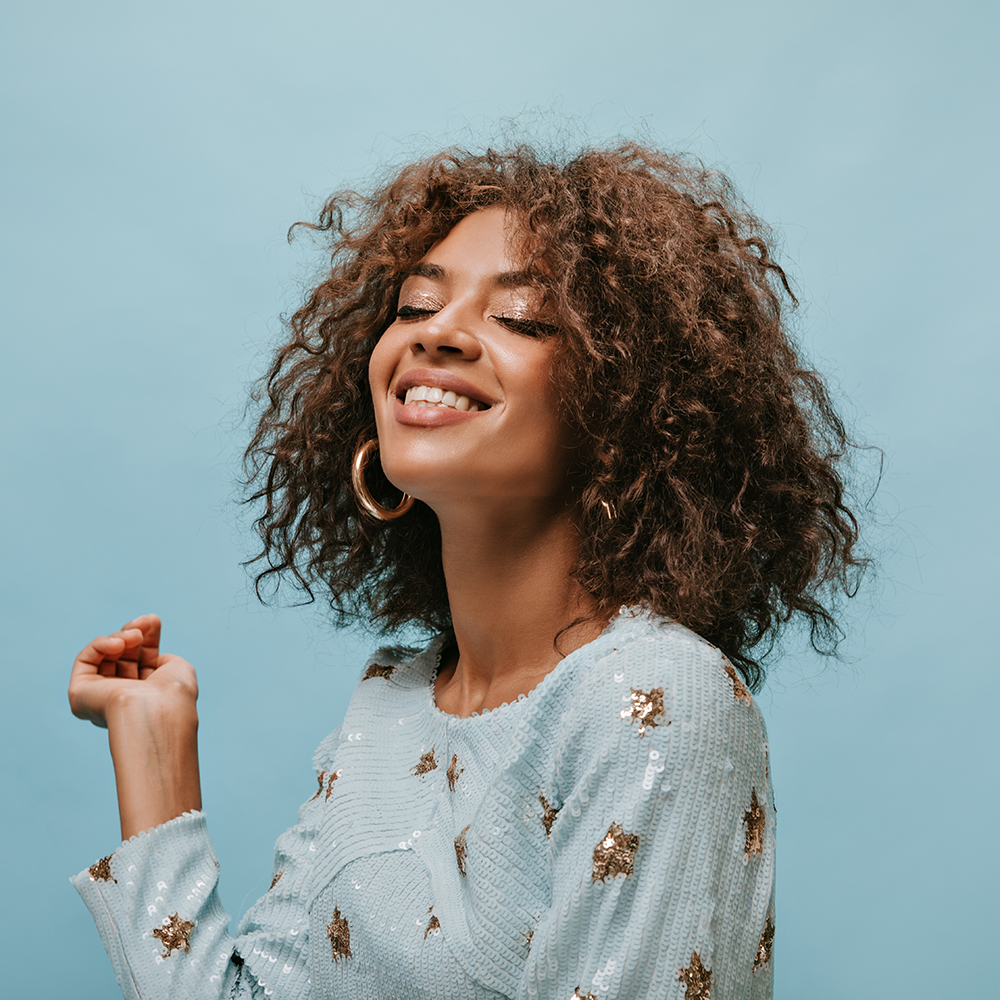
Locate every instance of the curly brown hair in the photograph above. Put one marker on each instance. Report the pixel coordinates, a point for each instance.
(699, 427)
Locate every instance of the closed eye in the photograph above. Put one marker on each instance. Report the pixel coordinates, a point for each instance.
(413, 312)
(527, 327)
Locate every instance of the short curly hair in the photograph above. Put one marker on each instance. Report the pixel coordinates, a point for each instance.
(717, 451)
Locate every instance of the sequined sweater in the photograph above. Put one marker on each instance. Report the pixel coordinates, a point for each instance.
(609, 835)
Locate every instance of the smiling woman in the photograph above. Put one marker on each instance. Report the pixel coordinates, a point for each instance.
(550, 411)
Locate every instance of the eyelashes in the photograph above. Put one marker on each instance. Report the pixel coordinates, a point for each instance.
(527, 327)
(524, 327)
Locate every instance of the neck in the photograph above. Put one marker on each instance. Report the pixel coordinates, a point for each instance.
(511, 595)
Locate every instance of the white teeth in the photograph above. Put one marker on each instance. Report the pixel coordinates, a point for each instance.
(432, 395)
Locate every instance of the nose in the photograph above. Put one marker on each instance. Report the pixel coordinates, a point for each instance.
(447, 333)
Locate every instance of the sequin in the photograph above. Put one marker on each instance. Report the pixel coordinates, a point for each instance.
(529, 936)
(378, 670)
(646, 707)
(577, 995)
(549, 814)
(740, 692)
(432, 925)
(614, 854)
(460, 849)
(453, 772)
(426, 763)
(274, 881)
(174, 934)
(101, 870)
(697, 980)
(754, 819)
(334, 775)
(339, 934)
(764, 948)
(321, 777)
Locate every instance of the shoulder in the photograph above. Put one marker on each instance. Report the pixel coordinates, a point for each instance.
(654, 676)
(394, 681)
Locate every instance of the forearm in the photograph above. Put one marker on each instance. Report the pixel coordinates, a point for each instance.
(154, 748)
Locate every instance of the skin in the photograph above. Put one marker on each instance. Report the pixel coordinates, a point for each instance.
(497, 480)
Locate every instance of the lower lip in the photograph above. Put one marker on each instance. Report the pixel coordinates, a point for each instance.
(432, 416)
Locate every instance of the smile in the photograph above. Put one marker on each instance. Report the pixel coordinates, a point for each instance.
(432, 395)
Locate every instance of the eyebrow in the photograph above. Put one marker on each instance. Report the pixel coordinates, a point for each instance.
(505, 279)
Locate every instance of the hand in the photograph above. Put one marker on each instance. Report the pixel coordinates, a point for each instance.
(117, 672)
(146, 701)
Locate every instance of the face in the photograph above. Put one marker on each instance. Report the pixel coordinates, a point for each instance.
(460, 381)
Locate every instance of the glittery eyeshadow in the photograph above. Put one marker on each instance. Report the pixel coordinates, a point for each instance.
(615, 854)
(101, 870)
(426, 763)
(339, 934)
(754, 819)
(697, 980)
(646, 707)
(453, 772)
(378, 670)
(740, 691)
(460, 849)
(174, 934)
(548, 814)
(764, 948)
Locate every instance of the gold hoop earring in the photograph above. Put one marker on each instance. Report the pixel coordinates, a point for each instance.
(368, 503)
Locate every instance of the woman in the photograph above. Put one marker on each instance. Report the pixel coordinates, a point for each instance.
(550, 411)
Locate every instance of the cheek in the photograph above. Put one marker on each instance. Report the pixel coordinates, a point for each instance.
(380, 371)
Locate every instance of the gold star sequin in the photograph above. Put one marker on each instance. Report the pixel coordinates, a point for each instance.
(548, 815)
(274, 881)
(647, 706)
(697, 980)
(577, 995)
(426, 763)
(174, 934)
(754, 819)
(100, 871)
(764, 948)
(740, 692)
(453, 772)
(460, 849)
(432, 925)
(339, 934)
(378, 670)
(614, 854)
(334, 775)
(321, 777)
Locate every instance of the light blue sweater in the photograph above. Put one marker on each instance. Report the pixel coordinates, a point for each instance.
(610, 835)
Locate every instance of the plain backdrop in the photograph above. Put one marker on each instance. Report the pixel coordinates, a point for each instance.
(154, 157)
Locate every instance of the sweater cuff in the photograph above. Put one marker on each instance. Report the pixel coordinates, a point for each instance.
(157, 911)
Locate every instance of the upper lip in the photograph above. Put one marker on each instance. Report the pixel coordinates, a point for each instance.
(443, 379)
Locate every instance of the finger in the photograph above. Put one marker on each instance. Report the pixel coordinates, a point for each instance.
(126, 664)
(149, 652)
(92, 657)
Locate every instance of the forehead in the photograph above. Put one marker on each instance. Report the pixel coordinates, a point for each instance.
(484, 246)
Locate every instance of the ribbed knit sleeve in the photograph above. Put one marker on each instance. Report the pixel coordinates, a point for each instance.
(157, 909)
(158, 913)
(661, 834)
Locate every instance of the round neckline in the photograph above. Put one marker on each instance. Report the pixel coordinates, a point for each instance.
(440, 642)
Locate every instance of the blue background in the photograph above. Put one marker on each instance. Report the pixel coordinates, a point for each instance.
(155, 155)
